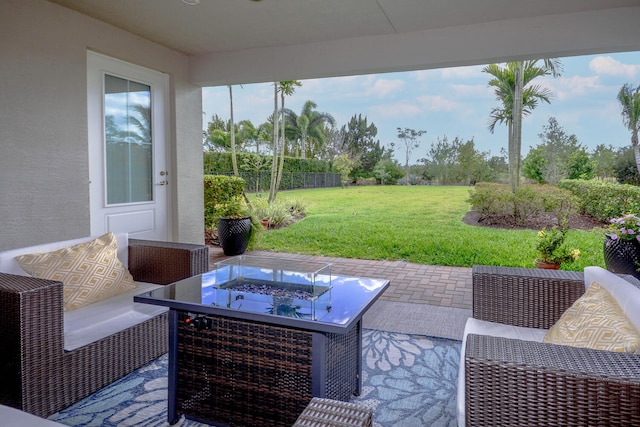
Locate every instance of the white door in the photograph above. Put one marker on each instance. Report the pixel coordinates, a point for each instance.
(128, 171)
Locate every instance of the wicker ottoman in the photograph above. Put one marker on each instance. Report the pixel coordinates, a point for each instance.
(333, 413)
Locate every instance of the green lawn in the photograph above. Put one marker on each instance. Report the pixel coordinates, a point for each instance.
(420, 224)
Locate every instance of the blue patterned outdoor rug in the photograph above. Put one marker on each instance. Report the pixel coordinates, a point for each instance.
(408, 380)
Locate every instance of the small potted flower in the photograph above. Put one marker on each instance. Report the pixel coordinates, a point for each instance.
(552, 249)
(622, 245)
(626, 228)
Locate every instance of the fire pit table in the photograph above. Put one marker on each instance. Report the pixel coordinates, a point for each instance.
(253, 341)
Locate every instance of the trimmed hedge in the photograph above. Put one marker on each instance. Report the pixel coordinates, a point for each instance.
(220, 193)
(496, 202)
(221, 162)
(603, 200)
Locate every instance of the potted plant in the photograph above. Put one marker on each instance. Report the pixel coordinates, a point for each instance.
(622, 245)
(234, 228)
(552, 248)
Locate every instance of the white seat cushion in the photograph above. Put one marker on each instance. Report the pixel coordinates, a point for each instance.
(103, 318)
(12, 417)
(481, 327)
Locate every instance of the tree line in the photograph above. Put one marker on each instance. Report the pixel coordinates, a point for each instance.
(559, 155)
(352, 149)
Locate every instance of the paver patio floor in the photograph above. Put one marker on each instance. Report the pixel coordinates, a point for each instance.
(410, 283)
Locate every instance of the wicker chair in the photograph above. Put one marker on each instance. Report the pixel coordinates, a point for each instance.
(514, 382)
(37, 375)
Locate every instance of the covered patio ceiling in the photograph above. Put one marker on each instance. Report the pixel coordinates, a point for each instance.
(244, 41)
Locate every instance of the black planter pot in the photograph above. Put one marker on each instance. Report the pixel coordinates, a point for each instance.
(234, 235)
(622, 257)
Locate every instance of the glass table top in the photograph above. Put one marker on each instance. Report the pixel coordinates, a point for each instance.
(300, 297)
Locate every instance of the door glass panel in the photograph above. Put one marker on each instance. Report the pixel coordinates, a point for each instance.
(127, 123)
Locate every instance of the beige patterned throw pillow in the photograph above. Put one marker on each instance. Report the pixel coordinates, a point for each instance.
(89, 271)
(595, 321)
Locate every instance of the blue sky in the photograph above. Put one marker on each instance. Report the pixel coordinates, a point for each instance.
(454, 102)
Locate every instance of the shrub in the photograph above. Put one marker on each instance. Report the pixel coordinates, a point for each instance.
(551, 246)
(260, 208)
(625, 168)
(279, 212)
(496, 202)
(223, 195)
(413, 180)
(366, 181)
(603, 200)
(297, 205)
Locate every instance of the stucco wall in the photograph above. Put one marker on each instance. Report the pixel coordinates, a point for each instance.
(44, 192)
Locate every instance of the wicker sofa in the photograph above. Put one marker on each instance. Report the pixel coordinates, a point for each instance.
(38, 375)
(522, 381)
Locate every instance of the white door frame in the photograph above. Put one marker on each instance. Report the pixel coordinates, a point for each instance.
(147, 220)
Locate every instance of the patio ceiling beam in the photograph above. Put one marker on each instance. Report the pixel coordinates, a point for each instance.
(590, 32)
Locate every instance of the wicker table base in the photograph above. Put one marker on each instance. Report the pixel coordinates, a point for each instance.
(242, 373)
(331, 413)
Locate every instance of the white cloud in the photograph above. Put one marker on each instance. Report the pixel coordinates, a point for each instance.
(462, 72)
(437, 103)
(257, 101)
(339, 88)
(322, 85)
(474, 91)
(567, 87)
(422, 75)
(382, 87)
(396, 109)
(606, 65)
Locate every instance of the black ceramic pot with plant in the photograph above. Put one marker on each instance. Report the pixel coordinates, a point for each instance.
(234, 235)
(622, 245)
(622, 256)
(234, 227)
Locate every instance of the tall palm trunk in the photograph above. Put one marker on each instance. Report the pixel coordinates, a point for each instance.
(303, 140)
(629, 98)
(274, 163)
(232, 129)
(515, 134)
(636, 148)
(284, 142)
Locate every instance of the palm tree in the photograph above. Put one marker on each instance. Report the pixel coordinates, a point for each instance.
(218, 139)
(248, 134)
(287, 87)
(264, 131)
(308, 126)
(629, 98)
(217, 136)
(518, 98)
(143, 123)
